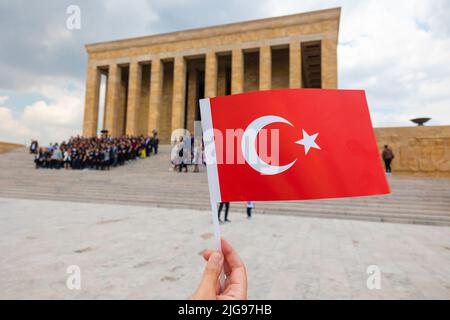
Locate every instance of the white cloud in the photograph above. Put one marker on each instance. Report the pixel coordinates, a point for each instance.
(55, 120)
(403, 68)
(65, 107)
(11, 129)
(3, 99)
(398, 51)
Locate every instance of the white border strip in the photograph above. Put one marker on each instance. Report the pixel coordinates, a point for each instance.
(213, 176)
(211, 164)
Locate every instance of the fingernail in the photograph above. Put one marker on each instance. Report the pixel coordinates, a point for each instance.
(215, 258)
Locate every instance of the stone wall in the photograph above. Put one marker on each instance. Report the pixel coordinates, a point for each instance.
(6, 146)
(418, 150)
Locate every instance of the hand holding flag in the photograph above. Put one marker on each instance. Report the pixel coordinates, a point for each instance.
(322, 146)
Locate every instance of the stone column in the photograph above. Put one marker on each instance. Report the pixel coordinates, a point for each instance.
(329, 64)
(90, 122)
(192, 101)
(134, 95)
(265, 68)
(155, 101)
(237, 71)
(112, 100)
(295, 65)
(179, 93)
(211, 75)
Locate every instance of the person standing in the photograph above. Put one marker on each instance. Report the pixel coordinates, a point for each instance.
(387, 156)
(106, 158)
(114, 155)
(75, 155)
(148, 146)
(197, 159)
(56, 158)
(143, 152)
(40, 159)
(177, 155)
(250, 206)
(67, 159)
(186, 158)
(227, 208)
(192, 147)
(34, 147)
(155, 141)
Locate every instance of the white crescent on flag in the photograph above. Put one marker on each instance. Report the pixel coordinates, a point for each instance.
(248, 146)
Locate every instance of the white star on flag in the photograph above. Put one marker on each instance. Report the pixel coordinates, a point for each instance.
(309, 142)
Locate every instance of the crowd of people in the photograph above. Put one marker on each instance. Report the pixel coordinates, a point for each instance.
(99, 153)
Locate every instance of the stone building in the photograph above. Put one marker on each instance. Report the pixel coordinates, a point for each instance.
(423, 151)
(156, 81)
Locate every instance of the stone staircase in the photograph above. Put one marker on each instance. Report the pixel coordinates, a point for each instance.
(150, 183)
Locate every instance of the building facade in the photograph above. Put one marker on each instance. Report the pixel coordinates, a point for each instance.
(423, 151)
(155, 82)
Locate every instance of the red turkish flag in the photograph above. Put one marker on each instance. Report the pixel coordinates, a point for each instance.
(325, 141)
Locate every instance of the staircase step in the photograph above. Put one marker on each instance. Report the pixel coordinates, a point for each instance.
(150, 183)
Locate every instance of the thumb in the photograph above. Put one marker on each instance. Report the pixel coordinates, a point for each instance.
(210, 279)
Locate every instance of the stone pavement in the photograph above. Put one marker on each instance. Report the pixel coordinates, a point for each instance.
(153, 253)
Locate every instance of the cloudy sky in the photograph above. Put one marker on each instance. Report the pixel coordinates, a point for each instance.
(397, 50)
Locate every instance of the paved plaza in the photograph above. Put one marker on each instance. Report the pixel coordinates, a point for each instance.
(137, 232)
(153, 253)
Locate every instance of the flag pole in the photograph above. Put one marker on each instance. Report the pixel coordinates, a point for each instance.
(217, 237)
(213, 177)
(216, 225)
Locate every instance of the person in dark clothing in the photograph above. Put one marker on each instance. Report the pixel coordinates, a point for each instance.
(114, 156)
(34, 147)
(227, 208)
(155, 142)
(98, 160)
(121, 155)
(148, 146)
(387, 156)
(91, 159)
(83, 160)
(183, 156)
(250, 206)
(106, 165)
(40, 159)
(47, 159)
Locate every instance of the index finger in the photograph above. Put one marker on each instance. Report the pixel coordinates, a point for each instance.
(231, 256)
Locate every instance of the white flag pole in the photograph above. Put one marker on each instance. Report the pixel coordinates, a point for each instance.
(217, 238)
(213, 177)
(216, 225)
